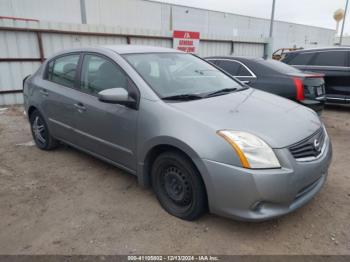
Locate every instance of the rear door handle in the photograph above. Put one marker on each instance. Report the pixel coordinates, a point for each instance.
(44, 92)
(80, 106)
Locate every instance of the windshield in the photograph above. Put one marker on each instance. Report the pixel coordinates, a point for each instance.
(174, 74)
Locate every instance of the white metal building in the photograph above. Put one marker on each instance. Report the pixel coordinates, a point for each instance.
(70, 23)
(163, 17)
(346, 40)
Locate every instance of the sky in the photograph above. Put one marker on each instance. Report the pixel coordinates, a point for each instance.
(309, 12)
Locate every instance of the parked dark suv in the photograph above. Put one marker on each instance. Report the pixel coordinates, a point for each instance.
(333, 63)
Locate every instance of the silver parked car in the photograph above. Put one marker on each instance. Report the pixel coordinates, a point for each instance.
(196, 135)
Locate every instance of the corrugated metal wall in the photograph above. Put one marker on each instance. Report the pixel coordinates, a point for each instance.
(163, 17)
(11, 78)
(18, 45)
(248, 49)
(152, 42)
(207, 48)
(50, 10)
(24, 45)
(54, 43)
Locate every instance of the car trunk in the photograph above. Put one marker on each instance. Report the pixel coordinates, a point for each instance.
(309, 86)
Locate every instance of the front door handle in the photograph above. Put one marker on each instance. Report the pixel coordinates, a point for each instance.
(44, 92)
(80, 106)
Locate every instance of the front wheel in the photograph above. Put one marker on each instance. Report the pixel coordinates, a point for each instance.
(179, 186)
(40, 132)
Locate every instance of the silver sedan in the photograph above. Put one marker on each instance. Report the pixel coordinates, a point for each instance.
(197, 136)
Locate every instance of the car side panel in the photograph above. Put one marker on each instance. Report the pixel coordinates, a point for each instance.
(107, 129)
(281, 86)
(58, 110)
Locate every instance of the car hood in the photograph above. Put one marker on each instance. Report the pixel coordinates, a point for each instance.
(278, 121)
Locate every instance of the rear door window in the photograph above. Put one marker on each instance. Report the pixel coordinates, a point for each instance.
(63, 70)
(301, 59)
(331, 58)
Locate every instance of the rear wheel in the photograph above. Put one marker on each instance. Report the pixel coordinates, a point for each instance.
(178, 186)
(40, 132)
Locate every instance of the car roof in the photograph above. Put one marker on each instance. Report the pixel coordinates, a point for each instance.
(119, 49)
(337, 48)
(132, 49)
(238, 58)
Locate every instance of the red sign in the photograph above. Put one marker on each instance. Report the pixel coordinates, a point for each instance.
(186, 41)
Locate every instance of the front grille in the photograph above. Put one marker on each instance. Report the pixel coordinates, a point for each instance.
(309, 147)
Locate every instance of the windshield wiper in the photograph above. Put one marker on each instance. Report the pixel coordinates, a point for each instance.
(183, 97)
(221, 92)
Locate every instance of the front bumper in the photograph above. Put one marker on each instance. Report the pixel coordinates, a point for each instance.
(256, 195)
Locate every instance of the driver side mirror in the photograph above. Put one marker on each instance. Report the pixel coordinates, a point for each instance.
(117, 95)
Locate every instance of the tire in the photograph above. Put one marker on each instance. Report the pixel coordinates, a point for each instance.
(179, 186)
(40, 132)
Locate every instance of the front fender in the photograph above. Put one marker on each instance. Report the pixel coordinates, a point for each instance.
(143, 170)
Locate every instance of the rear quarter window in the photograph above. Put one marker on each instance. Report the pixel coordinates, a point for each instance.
(300, 59)
(62, 70)
(331, 58)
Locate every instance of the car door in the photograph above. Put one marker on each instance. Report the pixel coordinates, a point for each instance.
(107, 130)
(58, 92)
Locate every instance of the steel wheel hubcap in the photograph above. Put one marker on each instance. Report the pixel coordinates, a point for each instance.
(177, 186)
(39, 130)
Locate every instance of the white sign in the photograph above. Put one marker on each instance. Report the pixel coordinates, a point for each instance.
(186, 41)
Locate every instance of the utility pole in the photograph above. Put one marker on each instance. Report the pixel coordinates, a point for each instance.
(83, 11)
(270, 42)
(273, 17)
(342, 28)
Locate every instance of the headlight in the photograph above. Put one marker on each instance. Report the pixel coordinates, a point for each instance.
(251, 150)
